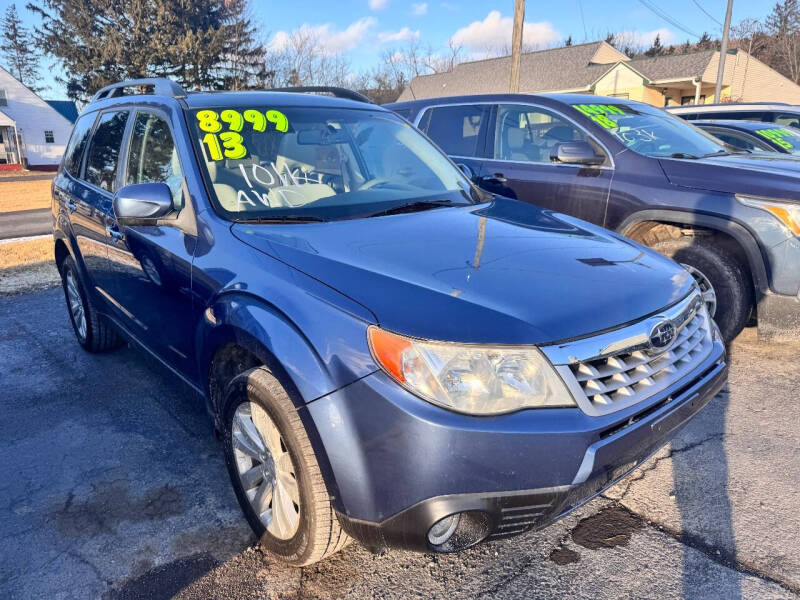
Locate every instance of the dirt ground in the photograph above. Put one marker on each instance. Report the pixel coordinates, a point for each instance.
(24, 195)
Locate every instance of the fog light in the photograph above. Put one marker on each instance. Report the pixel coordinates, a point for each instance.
(442, 530)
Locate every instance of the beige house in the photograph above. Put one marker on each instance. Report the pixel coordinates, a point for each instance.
(599, 68)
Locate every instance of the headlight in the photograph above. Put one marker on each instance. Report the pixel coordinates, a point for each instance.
(787, 213)
(474, 379)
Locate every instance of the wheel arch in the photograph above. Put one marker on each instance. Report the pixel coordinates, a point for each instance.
(635, 226)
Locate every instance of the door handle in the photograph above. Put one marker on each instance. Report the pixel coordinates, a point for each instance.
(496, 178)
(70, 205)
(114, 233)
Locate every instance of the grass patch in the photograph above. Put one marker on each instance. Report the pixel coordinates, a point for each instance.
(27, 266)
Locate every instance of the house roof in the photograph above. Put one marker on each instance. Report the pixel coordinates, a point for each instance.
(556, 69)
(5, 120)
(673, 66)
(66, 108)
(565, 68)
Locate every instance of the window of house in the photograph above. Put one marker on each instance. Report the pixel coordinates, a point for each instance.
(3, 99)
(48, 137)
(73, 155)
(455, 129)
(152, 157)
(690, 100)
(101, 158)
(528, 134)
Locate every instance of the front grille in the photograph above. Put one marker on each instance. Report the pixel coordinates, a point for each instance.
(606, 381)
(631, 371)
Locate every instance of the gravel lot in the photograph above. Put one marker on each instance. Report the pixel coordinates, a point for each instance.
(112, 486)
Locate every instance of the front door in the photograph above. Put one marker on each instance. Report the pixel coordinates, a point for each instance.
(522, 139)
(152, 263)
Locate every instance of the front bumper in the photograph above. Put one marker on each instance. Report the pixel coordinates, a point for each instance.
(401, 464)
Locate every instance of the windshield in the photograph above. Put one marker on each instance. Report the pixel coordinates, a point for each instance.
(787, 138)
(320, 163)
(652, 131)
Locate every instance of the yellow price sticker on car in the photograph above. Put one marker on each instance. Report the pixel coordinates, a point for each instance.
(778, 136)
(599, 113)
(230, 143)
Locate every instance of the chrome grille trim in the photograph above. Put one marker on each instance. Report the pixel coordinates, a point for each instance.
(615, 370)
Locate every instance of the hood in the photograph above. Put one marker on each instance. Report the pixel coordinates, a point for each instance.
(755, 175)
(506, 272)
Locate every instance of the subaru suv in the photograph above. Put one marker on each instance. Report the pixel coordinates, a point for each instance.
(730, 217)
(387, 353)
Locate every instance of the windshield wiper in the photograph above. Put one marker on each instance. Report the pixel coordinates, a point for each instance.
(283, 219)
(414, 207)
(716, 153)
(683, 155)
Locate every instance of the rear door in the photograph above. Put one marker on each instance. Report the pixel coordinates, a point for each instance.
(521, 140)
(88, 198)
(460, 131)
(152, 263)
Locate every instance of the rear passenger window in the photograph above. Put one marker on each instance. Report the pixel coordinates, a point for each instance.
(101, 160)
(455, 129)
(152, 157)
(77, 144)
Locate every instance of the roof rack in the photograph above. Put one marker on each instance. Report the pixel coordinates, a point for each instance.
(161, 87)
(339, 92)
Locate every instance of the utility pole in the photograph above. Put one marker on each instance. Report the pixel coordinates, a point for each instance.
(516, 45)
(723, 51)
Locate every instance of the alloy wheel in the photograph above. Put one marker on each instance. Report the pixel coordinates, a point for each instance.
(706, 289)
(76, 308)
(265, 469)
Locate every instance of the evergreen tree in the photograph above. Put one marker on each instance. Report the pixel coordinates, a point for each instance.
(783, 26)
(705, 42)
(568, 42)
(203, 44)
(656, 49)
(19, 53)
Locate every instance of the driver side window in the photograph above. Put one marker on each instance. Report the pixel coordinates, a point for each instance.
(529, 134)
(152, 157)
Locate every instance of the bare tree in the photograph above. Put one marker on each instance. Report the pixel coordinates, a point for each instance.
(303, 60)
(783, 26)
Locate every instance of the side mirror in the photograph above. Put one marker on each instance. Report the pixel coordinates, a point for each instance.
(466, 170)
(576, 153)
(142, 202)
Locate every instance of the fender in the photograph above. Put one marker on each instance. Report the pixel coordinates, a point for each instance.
(268, 333)
(755, 257)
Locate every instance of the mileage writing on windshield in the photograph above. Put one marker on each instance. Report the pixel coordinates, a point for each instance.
(230, 143)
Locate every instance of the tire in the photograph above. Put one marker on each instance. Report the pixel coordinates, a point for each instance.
(710, 263)
(92, 330)
(318, 533)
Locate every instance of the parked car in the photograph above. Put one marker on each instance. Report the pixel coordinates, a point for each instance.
(754, 136)
(732, 220)
(767, 112)
(388, 353)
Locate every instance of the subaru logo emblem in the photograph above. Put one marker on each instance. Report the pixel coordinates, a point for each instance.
(661, 336)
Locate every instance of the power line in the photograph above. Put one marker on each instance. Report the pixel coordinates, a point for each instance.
(583, 20)
(708, 14)
(658, 12)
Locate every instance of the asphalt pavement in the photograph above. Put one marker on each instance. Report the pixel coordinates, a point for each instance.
(112, 486)
(24, 223)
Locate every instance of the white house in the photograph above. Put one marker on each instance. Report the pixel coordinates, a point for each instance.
(31, 131)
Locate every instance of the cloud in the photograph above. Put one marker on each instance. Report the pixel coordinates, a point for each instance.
(403, 35)
(495, 32)
(327, 36)
(378, 4)
(419, 9)
(645, 38)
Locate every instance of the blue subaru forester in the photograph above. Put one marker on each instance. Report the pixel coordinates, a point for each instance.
(388, 353)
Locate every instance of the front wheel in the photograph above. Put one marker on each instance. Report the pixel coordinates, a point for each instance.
(723, 281)
(275, 473)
